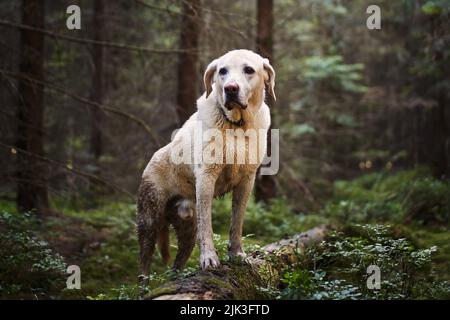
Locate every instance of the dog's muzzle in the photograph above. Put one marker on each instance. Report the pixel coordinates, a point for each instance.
(232, 96)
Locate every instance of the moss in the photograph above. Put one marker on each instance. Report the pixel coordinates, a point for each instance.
(244, 281)
(232, 281)
(169, 288)
(426, 237)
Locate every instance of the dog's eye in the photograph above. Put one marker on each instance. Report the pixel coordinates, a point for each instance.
(249, 70)
(223, 71)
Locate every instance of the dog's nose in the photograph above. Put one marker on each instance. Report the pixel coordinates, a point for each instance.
(231, 89)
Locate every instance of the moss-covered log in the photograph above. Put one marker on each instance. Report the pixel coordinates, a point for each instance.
(240, 280)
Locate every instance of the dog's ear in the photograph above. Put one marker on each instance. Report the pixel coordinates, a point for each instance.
(269, 78)
(208, 77)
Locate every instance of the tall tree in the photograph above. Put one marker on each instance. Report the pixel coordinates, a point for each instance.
(439, 28)
(187, 65)
(265, 185)
(31, 174)
(96, 145)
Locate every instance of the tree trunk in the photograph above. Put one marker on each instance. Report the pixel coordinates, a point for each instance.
(240, 280)
(265, 188)
(264, 36)
(31, 174)
(442, 128)
(96, 145)
(187, 65)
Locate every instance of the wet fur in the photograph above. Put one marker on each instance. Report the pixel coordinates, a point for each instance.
(167, 189)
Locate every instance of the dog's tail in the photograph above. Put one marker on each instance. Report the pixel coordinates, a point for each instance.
(163, 243)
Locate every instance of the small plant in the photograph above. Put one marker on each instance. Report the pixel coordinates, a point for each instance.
(269, 222)
(407, 196)
(221, 245)
(332, 69)
(337, 268)
(28, 267)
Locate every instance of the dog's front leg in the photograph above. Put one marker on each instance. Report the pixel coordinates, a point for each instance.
(241, 194)
(204, 193)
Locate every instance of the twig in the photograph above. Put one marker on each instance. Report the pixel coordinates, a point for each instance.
(196, 16)
(84, 100)
(70, 169)
(153, 7)
(94, 42)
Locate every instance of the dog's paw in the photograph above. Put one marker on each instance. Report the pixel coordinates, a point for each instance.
(209, 260)
(237, 255)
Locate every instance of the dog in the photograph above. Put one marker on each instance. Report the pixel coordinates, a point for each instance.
(181, 194)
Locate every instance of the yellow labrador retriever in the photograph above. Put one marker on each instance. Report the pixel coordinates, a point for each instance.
(180, 193)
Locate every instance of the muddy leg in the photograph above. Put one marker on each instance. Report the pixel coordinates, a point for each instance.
(185, 226)
(148, 220)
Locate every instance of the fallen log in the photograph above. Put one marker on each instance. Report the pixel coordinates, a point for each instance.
(241, 280)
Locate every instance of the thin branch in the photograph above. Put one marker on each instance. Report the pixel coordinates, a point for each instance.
(202, 7)
(196, 16)
(70, 169)
(223, 13)
(92, 42)
(84, 100)
(23, 122)
(153, 7)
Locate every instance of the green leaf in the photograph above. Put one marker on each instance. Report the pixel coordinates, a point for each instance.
(432, 8)
(346, 121)
(303, 129)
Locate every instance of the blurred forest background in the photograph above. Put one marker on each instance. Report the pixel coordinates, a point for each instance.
(364, 125)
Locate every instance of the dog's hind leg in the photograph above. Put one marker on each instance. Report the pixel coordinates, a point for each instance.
(184, 223)
(149, 221)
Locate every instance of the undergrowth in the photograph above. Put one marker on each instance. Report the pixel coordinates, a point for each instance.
(413, 254)
(338, 268)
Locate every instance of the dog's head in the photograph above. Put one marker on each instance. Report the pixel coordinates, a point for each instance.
(240, 77)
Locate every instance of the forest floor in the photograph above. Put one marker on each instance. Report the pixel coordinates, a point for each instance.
(102, 242)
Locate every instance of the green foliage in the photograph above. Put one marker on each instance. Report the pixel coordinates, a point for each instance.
(221, 245)
(332, 70)
(435, 7)
(28, 267)
(302, 129)
(325, 60)
(346, 120)
(124, 292)
(337, 268)
(111, 265)
(303, 284)
(406, 196)
(267, 222)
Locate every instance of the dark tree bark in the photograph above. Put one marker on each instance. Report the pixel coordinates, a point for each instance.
(96, 145)
(443, 137)
(442, 128)
(31, 174)
(265, 185)
(264, 33)
(187, 65)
